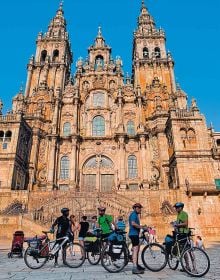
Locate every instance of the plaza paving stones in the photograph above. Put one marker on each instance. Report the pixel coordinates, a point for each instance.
(15, 269)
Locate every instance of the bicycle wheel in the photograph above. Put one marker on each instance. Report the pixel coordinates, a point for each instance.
(94, 257)
(173, 262)
(154, 257)
(33, 261)
(195, 262)
(113, 262)
(74, 255)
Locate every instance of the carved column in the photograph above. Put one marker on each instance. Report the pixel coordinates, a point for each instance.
(172, 76)
(143, 156)
(73, 163)
(51, 163)
(121, 155)
(29, 77)
(34, 157)
(56, 111)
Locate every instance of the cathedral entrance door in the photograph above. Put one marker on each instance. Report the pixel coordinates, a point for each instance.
(107, 182)
(98, 174)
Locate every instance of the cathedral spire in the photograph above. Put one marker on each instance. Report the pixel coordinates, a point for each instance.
(57, 26)
(99, 41)
(145, 20)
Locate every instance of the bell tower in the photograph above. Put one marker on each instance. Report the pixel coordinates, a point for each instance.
(150, 57)
(50, 67)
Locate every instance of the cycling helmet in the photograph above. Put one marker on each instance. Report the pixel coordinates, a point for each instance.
(179, 204)
(64, 210)
(137, 205)
(101, 208)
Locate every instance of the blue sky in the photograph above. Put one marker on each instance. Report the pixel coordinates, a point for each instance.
(192, 28)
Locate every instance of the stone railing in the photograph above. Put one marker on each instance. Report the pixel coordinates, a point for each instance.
(184, 114)
(10, 117)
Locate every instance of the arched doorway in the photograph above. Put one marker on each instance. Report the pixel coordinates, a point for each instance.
(98, 174)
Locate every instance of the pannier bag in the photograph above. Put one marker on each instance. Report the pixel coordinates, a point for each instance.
(34, 247)
(169, 241)
(115, 237)
(91, 244)
(115, 250)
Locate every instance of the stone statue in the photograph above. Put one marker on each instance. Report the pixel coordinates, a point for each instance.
(193, 103)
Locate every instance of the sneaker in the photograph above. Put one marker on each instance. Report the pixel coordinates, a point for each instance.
(56, 264)
(137, 271)
(140, 267)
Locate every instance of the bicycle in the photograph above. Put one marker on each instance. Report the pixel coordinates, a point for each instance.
(193, 260)
(93, 248)
(116, 255)
(41, 249)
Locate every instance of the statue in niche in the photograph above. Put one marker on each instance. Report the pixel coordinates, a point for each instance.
(85, 86)
(112, 84)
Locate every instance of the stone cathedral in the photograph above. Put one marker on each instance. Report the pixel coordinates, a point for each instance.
(102, 137)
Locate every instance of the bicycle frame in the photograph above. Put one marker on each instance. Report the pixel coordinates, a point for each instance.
(49, 243)
(177, 244)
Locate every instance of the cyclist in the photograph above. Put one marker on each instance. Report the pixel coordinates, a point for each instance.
(181, 224)
(105, 222)
(134, 230)
(181, 227)
(63, 229)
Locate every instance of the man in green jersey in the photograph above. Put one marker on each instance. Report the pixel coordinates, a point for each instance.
(105, 222)
(182, 219)
(182, 228)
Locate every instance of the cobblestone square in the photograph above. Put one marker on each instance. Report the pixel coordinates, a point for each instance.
(15, 269)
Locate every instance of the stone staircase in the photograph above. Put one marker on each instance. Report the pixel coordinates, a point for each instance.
(43, 212)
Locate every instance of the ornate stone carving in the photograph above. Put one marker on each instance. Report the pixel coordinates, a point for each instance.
(99, 81)
(42, 151)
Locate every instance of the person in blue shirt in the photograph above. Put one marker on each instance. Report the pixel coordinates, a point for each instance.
(134, 230)
(120, 224)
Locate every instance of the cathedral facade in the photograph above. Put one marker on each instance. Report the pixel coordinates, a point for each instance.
(100, 131)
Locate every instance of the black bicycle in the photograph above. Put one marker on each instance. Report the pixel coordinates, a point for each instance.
(193, 260)
(94, 244)
(116, 254)
(41, 249)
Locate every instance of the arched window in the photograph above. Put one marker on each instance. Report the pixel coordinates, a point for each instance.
(66, 129)
(191, 135)
(130, 128)
(183, 133)
(145, 53)
(8, 135)
(99, 62)
(98, 99)
(106, 162)
(157, 52)
(98, 126)
(91, 163)
(183, 136)
(1, 136)
(55, 55)
(132, 167)
(64, 168)
(218, 142)
(43, 56)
